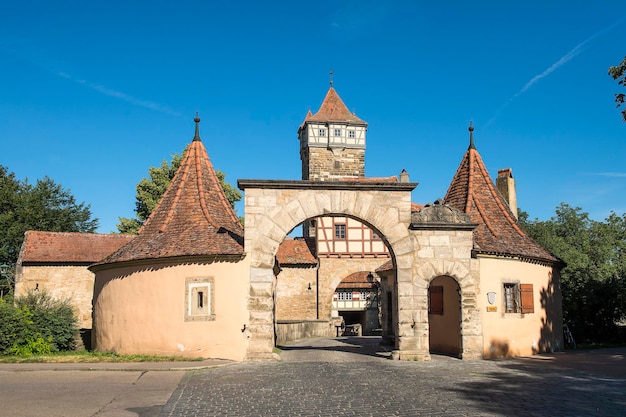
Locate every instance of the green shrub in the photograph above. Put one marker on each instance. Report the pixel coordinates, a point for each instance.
(13, 325)
(33, 346)
(36, 323)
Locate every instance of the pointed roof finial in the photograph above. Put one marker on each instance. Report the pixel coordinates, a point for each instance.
(471, 130)
(331, 78)
(197, 136)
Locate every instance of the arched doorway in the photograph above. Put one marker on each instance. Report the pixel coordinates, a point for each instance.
(356, 301)
(444, 316)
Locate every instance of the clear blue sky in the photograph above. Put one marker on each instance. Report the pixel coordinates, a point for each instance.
(94, 93)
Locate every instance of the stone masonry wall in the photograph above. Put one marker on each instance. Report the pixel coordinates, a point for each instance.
(325, 164)
(294, 299)
(73, 282)
(445, 252)
(271, 213)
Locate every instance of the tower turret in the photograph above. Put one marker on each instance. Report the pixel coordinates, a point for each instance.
(332, 142)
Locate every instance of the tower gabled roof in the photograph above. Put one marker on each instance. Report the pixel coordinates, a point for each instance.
(333, 110)
(498, 231)
(193, 218)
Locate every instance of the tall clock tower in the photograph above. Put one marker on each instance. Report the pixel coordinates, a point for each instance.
(332, 142)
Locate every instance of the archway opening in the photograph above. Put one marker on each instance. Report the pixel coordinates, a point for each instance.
(326, 283)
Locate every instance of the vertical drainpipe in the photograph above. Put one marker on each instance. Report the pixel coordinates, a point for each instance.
(317, 289)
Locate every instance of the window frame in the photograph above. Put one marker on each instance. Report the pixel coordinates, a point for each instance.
(341, 231)
(196, 309)
(518, 298)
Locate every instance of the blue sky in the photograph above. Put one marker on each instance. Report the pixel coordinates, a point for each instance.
(94, 93)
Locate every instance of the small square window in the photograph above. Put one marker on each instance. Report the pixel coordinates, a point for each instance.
(351, 134)
(322, 132)
(337, 132)
(199, 299)
(340, 231)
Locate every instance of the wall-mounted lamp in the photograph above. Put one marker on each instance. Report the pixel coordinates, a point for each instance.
(309, 287)
(37, 287)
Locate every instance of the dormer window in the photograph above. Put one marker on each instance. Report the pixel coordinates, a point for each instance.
(322, 132)
(337, 132)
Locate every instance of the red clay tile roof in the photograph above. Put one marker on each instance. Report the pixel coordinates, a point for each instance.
(415, 207)
(298, 251)
(498, 232)
(356, 280)
(59, 247)
(387, 266)
(333, 110)
(193, 218)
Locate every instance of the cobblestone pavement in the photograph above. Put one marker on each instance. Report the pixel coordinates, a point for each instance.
(353, 377)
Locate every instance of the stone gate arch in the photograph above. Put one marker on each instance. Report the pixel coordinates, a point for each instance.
(273, 208)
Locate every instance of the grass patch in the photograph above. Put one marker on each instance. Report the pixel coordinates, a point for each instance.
(83, 356)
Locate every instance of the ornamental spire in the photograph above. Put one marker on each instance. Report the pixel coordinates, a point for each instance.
(471, 130)
(197, 136)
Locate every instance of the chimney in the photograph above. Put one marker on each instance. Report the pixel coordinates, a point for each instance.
(404, 176)
(506, 185)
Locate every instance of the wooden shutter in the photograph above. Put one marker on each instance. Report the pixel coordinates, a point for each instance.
(527, 302)
(435, 302)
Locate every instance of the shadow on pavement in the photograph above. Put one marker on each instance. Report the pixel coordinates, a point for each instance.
(572, 383)
(356, 345)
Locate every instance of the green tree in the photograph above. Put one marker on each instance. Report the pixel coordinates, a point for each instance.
(150, 190)
(44, 206)
(618, 73)
(594, 281)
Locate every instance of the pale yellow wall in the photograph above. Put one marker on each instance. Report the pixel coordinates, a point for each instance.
(142, 311)
(445, 329)
(516, 334)
(61, 282)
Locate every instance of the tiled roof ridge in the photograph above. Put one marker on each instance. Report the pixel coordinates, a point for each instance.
(496, 195)
(191, 158)
(472, 191)
(333, 109)
(48, 232)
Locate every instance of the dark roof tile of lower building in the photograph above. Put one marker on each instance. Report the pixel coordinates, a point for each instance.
(69, 247)
(297, 251)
